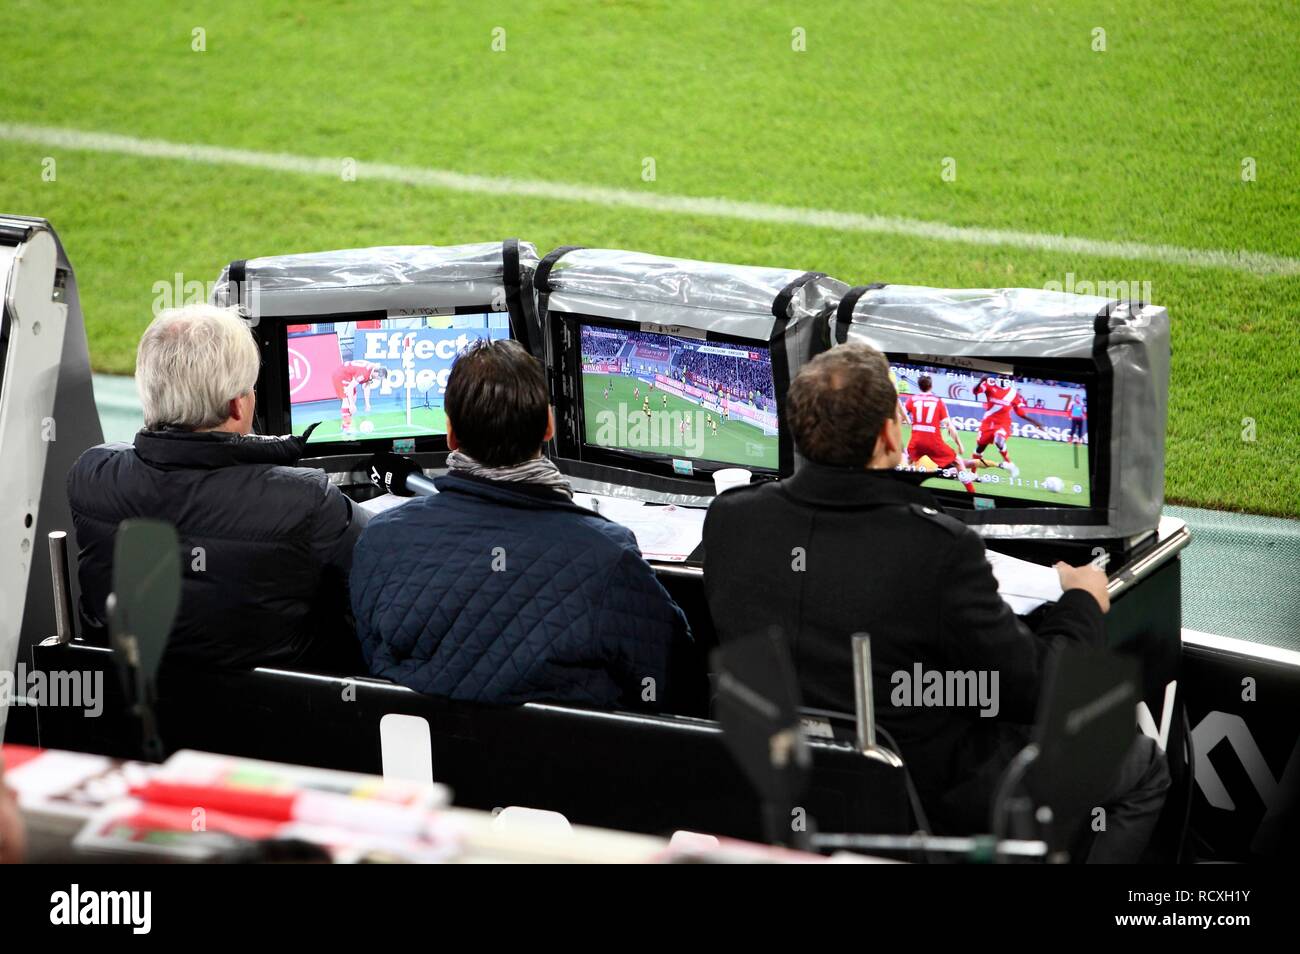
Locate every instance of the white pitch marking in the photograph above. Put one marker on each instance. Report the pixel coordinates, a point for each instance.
(1255, 263)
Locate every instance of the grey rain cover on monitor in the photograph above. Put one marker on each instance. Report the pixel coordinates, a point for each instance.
(1129, 342)
(388, 278)
(787, 308)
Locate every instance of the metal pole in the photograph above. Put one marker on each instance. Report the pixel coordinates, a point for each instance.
(63, 626)
(864, 705)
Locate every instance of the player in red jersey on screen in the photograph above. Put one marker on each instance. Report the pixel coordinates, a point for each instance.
(929, 416)
(347, 378)
(1000, 399)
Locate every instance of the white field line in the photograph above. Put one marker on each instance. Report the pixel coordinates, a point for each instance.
(1255, 263)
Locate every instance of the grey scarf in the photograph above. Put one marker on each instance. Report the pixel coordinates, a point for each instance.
(539, 471)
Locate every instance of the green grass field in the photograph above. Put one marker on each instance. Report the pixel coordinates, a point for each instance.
(382, 424)
(736, 442)
(1036, 459)
(1148, 141)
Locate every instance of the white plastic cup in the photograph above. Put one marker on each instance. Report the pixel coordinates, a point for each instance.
(730, 477)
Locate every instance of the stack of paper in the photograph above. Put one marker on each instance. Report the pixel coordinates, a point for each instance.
(1024, 586)
(668, 534)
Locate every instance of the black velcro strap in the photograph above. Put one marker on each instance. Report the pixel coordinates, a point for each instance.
(236, 274)
(781, 304)
(542, 279)
(510, 263)
(780, 356)
(1103, 398)
(1101, 323)
(511, 281)
(844, 313)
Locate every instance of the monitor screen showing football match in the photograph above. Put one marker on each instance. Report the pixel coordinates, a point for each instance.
(381, 378)
(679, 397)
(990, 433)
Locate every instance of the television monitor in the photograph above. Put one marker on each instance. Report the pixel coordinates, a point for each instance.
(367, 380)
(996, 434)
(684, 400)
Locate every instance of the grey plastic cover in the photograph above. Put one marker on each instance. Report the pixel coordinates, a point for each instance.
(1029, 324)
(385, 278)
(785, 307)
(706, 296)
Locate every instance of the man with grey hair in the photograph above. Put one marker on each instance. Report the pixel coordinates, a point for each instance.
(266, 546)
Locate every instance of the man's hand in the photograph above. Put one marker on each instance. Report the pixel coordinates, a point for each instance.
(12, 841)
(1087, 578)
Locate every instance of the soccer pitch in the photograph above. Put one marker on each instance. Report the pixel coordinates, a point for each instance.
(383, 422)
(978, 145)
(1036, 459)
(736, 442)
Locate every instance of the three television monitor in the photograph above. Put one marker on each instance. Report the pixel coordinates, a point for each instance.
(987, 433)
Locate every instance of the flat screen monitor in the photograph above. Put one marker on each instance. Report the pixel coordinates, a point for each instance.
(701, 403)
(997, 434)
(369, 381)
(380, 378)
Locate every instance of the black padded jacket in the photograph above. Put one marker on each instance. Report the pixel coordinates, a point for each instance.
(266, 546)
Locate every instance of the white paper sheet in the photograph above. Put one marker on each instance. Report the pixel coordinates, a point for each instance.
(668, 534)
(1024, 586)
(383, 502)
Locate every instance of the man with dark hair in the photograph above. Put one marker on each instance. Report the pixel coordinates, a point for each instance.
(838, 404)
(500, 588)
(849, 545)
(497, 397)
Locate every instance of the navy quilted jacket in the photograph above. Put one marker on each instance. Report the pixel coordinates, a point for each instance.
(509, 593)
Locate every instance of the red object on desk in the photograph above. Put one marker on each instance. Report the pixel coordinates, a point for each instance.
(318, 808)
(152, 817)
(235, 801)
(12, 756)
